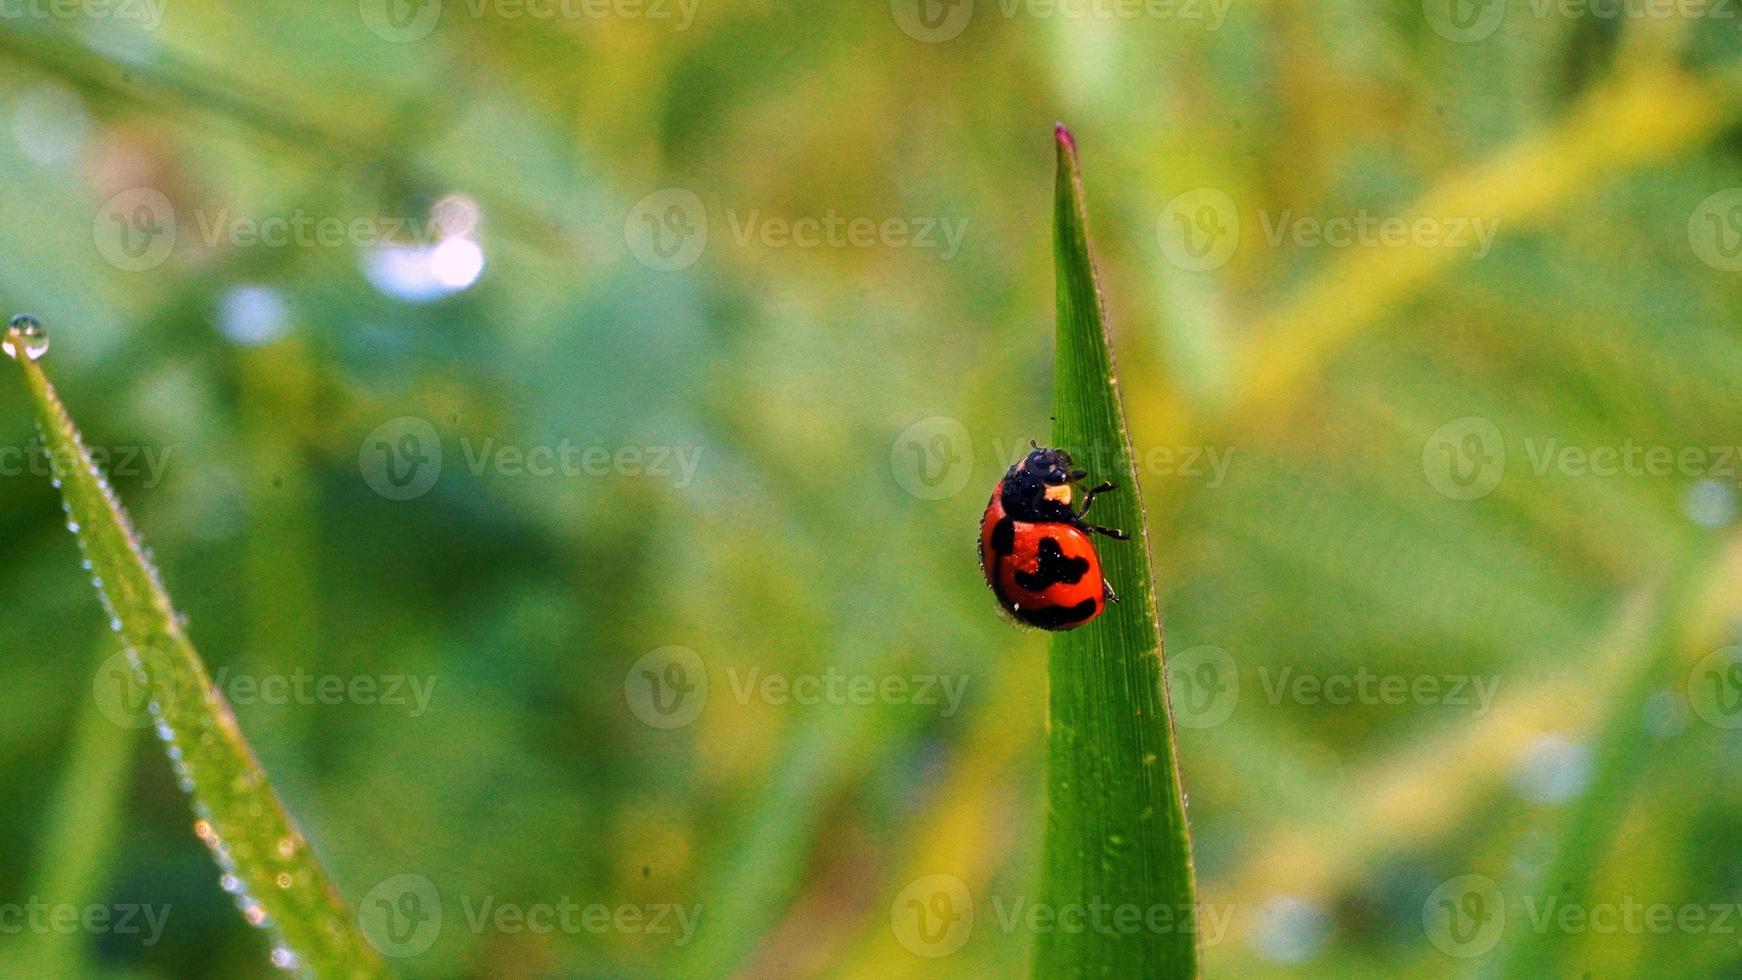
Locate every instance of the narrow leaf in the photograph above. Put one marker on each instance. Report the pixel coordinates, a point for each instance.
(264, 861)
(1116, 834)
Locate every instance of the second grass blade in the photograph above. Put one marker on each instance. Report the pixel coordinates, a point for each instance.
(264, 861)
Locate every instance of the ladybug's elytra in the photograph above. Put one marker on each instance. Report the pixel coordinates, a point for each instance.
(1035, 548)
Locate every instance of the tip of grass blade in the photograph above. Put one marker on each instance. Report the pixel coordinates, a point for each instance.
(1066, 141)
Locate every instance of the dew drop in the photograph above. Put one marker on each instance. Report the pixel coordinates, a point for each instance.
(283, 958)
(24, 334)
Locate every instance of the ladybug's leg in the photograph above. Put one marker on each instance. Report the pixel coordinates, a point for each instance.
(1111, 532)
(1089, 495)
(1107, 587)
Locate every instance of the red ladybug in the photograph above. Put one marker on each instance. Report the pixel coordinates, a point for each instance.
(1036, 550)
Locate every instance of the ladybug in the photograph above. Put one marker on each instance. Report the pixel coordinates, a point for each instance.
(1037, 551)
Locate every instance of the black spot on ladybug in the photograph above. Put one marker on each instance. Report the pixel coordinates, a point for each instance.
(1053, 568)
(1004, 537)
(1053, 617)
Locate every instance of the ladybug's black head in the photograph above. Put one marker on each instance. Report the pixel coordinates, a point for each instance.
(1042, 481)
(1052, 466)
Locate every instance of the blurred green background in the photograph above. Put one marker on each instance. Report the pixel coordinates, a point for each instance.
(629, 378)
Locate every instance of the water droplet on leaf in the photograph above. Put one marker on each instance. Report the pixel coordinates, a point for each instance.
(24, 334)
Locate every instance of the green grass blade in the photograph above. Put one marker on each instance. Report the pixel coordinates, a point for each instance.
(1622, 758)
(266, 863)
(79, 839)
(1116, 829)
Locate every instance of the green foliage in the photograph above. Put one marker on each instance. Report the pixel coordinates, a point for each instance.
(1292, 398)
(1116, 828)
(265, 861)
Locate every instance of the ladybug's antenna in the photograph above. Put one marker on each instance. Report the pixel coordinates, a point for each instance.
(1033, 445)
